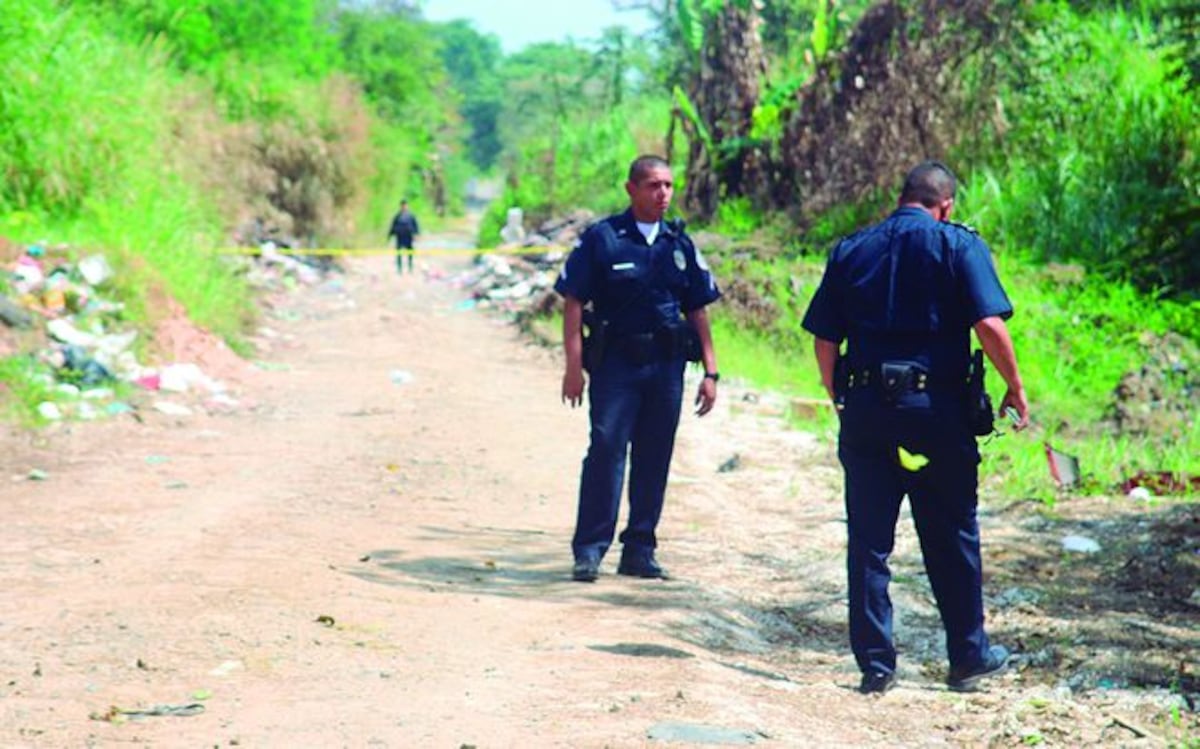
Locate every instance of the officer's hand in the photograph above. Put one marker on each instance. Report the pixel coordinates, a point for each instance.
(572, 387)
(706, 396)
(1016, 400)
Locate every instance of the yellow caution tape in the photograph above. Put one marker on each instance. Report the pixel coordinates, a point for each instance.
(385, 251)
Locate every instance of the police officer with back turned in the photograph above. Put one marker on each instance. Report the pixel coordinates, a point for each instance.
(643, 288)
(904, 295)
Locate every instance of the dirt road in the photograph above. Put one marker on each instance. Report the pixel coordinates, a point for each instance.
(373, 550)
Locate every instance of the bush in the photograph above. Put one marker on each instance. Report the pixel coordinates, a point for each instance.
(582, 162)
(1097, 150)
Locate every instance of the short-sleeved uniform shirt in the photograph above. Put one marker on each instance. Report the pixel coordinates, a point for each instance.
(909, 288)
(636, 286)
(404, 227)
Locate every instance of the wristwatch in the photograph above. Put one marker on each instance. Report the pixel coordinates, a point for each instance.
(714, 376)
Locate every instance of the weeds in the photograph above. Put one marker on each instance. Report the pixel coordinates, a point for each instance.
(1075, 337)
(23, 385)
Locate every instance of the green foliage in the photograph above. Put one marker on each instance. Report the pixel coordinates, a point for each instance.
(691, 23)
(580, 162)
(117, 134)
(1097, 151)
(205, 35)
(471, 59)
(168, 246)
(545, 85)
(688, 110)
(1075, 338)
(22, 387)
(373, 41)
(401, 62)
(821, 31)
(737, 218)
(570, 128)
(843, 220)
(76, 109)
(234, 45)
(83, 138)
(797, 35)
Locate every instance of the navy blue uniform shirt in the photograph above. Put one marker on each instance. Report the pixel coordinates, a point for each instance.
(909, 288)
(637, 287)
(404, 227)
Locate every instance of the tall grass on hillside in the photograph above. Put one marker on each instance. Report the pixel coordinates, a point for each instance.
(77, 106)
(86, 144)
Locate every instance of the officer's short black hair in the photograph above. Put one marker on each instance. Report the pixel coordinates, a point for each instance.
(929, 183)
(645, 163)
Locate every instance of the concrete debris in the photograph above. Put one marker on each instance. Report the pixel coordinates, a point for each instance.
(518, 282)
(275, 259)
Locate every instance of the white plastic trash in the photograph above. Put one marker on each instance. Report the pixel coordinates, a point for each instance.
(95, 269)
(1081, 544)
(62, 329)
(182, 377)
(172, 409)
(49, 411)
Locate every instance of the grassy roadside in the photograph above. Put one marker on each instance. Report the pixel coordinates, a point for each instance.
(1076, 338)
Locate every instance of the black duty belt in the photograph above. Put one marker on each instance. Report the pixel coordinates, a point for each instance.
(665, 343)
(898, 377)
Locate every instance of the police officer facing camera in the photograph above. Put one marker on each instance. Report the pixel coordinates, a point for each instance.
(646, 287)
(404, 228)
(904, 295)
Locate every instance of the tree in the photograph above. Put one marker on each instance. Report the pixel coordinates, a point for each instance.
(723, 90)
(472, 61)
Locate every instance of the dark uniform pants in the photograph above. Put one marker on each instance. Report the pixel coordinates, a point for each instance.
(943, 498)
(404, 248)
(634, 412)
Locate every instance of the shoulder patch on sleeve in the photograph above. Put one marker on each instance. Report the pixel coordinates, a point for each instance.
(967, 227)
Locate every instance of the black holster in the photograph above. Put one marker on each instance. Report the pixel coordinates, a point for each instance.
(595, 343)
(841, 380)
(679, 340)
(979, 404)
(899, 377)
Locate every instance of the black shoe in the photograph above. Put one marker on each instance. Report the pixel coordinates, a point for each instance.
(586, 569)
(877, 682)
(967, 679)
(640, 563)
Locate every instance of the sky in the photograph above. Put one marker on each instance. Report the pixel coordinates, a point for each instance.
(519, 23)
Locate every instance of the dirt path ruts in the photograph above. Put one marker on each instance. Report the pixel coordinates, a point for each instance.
(426, 522)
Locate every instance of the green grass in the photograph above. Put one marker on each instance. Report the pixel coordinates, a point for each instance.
(22, 389)
(746, 355)
(1075, 337)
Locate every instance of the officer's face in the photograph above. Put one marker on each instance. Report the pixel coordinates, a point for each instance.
(650, 195)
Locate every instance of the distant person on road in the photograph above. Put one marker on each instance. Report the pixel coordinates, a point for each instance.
(404, 229)
(904, 295)
(645, 286)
